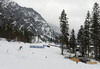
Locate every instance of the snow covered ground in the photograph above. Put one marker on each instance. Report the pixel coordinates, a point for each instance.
(33, 58)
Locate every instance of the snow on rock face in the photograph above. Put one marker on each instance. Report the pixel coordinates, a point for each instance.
(34, 58)
(5, 3)
(27, 18)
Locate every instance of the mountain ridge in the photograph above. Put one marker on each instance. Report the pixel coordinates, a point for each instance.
(27, 18)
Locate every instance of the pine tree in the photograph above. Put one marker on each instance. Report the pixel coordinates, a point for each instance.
(8, 31)
(73, 40)
(80, 38)
(95, 27)
(64, 29)
(16, 32)
(87, 32)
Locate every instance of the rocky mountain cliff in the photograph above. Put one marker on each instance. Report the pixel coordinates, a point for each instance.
(26, 18)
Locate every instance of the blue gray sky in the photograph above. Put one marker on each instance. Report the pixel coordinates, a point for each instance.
(50, 10)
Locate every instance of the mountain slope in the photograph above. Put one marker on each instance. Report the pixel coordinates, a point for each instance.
(26, 18)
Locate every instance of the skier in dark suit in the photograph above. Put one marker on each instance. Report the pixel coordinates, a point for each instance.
(20, 47)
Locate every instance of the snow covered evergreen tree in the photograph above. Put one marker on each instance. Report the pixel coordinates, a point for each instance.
(73, 40)
(95, 28)
(87, 32)
(64, 29)
(80, 38)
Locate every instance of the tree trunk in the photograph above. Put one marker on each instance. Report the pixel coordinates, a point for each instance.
(62, 49)
(88, 47)
(95, 47)
(99, 53)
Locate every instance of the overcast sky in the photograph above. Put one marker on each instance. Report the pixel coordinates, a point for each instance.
(50, 10)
